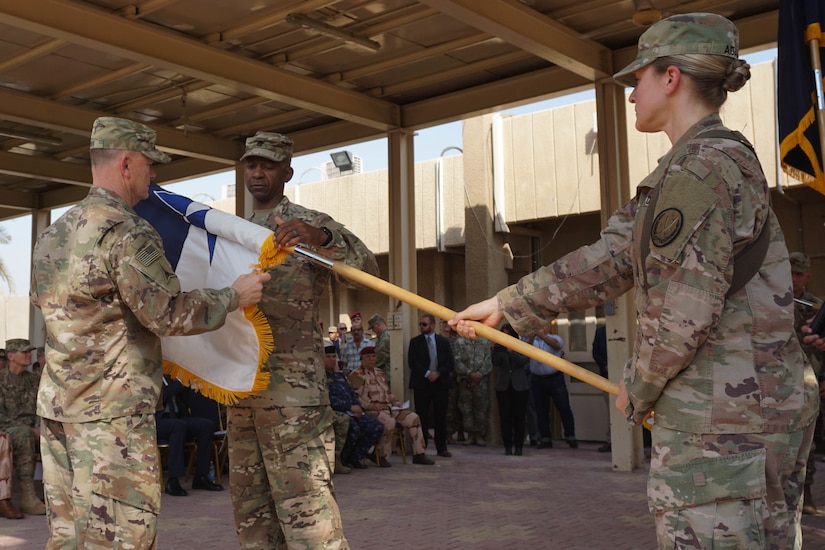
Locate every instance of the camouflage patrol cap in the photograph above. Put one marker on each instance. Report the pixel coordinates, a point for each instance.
(18, 344)
(374, 319)
(800, 263)
(268, 145)
(705, 33)
(122, 134)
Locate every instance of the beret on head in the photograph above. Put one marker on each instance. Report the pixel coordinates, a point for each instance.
(369, 350)
(329, 348)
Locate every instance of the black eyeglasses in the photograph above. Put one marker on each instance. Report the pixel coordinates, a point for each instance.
(423, 324)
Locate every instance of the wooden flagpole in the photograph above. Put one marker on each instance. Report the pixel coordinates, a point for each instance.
(442, 312)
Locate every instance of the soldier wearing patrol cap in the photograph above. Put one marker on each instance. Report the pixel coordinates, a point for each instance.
(715, 353)
(18, 399)
(107, 295)
(279, 469)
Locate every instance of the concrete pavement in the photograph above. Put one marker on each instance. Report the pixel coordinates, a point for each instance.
(479, 499)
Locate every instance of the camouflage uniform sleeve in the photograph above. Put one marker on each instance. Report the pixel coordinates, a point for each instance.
(356, 382)
(584, 278)
(347, 248)
(382, 351)
(149, 287)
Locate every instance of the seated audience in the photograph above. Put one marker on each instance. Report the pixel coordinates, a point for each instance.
(363, 431)
(377, 399)
(176, 425)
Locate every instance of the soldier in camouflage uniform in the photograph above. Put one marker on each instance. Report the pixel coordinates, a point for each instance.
(734, 396)
(108, 294)
(377, 399)
(805, 307)
(280, 473)
(18, 418)
(378, 325)
(473, 365)
(7, 509)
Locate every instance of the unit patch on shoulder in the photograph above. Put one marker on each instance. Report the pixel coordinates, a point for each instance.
(666, 226)
(148, 255)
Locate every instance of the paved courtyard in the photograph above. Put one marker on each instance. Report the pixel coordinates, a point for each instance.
(557, 498)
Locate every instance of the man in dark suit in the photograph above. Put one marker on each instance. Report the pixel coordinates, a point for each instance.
(431, 361)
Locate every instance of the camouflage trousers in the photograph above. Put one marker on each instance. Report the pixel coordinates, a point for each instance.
(102, 483)
(280, 478)
(474, 403)
(411, 423)
(737, 491)
(5, 467)
(24, 447)
(341, 427)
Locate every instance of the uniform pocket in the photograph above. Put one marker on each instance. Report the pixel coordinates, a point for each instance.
(725, 478)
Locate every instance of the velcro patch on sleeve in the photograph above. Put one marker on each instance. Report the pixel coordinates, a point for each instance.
(148, 255)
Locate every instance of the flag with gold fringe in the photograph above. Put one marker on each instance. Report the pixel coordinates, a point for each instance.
(209, 248)
(800, 25)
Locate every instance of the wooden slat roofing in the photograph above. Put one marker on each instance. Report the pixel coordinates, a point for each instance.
(208, 73)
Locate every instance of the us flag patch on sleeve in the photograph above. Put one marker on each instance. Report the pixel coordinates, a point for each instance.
(148, 255)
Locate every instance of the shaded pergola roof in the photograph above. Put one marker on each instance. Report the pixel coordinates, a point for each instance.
(206, 74)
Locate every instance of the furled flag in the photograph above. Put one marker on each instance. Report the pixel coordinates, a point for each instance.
(209, 248)
(799, 139)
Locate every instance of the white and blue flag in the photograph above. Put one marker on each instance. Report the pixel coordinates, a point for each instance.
(209, 248)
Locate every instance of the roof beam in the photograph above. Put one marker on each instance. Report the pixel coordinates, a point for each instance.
(45, 113)
(103, 31)
(18, 200)
(488, 98)
(532, 31)
(43, 168)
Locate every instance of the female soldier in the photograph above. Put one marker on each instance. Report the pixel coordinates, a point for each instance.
(715, 352)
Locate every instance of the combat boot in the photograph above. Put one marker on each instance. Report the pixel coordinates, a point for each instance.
(481, 441)
(30, 504)
(808, 506)
(340, 468)
(471, 439)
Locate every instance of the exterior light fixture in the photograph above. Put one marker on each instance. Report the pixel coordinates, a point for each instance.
(342, 160)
